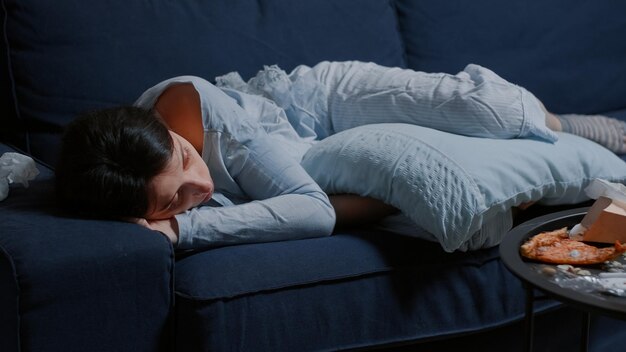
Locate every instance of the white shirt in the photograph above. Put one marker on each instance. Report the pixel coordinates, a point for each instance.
(265, 193)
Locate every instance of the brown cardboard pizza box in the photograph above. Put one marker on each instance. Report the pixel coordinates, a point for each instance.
(605, 221)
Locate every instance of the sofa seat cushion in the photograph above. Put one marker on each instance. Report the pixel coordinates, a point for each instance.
(356, 290)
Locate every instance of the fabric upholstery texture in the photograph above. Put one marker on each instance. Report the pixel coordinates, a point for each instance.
(407, 288)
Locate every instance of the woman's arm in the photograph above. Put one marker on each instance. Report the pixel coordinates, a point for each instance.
(353, 210)
(285, 203)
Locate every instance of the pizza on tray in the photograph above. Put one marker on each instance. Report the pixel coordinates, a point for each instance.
(557, 247)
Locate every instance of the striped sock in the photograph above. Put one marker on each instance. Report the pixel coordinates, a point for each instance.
(603, 130)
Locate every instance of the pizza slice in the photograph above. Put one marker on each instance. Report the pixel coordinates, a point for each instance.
(557, 247)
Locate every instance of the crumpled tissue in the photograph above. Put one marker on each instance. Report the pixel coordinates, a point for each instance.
(603, 188)
(15, 168)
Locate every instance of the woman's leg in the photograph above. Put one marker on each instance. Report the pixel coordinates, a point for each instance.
(474, 102)
(606, 131)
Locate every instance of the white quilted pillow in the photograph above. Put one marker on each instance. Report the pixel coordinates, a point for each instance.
(457, 188)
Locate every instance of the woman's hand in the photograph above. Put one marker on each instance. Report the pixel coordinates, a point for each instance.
(169, 227)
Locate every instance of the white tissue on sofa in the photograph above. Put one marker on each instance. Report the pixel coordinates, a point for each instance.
(15, 168)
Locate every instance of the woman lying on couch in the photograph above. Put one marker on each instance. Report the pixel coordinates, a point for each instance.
(188, 143)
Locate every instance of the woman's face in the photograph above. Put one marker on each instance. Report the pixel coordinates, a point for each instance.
(184, 183)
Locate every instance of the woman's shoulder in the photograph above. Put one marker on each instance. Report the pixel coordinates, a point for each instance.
(179, 107)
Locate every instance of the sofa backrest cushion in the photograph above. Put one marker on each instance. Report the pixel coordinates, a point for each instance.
(75, 55)
(571, 54)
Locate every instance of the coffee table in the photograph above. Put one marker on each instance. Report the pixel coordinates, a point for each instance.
(534, 275)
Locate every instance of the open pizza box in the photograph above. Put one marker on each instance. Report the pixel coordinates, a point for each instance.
(605, 221)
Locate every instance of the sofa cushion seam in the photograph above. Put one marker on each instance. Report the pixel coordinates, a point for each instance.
(11, 76)
(4, 253)
(399, 32)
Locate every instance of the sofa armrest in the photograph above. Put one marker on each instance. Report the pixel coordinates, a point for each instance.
(73, 284)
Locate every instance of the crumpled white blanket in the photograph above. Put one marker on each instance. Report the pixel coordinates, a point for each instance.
(299, 94)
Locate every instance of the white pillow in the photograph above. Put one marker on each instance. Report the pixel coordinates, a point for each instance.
(452, 186)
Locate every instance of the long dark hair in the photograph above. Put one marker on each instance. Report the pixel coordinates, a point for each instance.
(107, 160)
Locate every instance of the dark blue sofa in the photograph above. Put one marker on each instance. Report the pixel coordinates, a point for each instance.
(72, 284)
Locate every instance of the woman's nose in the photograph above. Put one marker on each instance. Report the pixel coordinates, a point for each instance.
(201, 187)
(198, 180)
